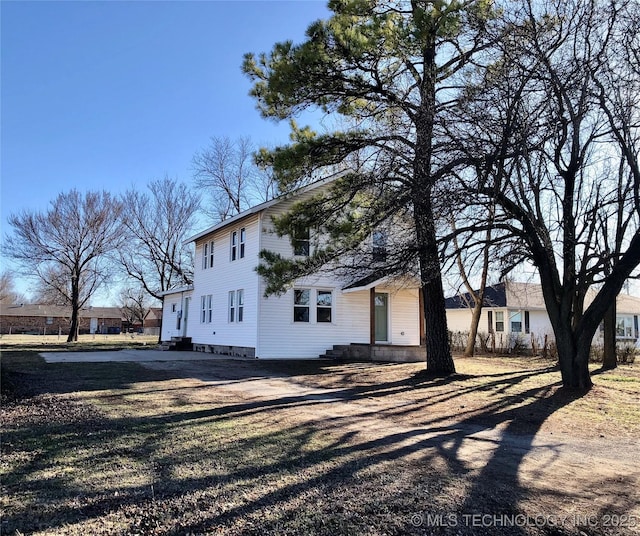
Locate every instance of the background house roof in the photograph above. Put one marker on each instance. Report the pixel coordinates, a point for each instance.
(494, 296)
(518, 295)
(57, 311)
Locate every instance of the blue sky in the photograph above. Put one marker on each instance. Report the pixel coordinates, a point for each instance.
(114, 94)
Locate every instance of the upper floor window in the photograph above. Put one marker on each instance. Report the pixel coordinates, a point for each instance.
(243, 238)
(301, 243)
(238, 241)
(379, 245)
(207, 255)
(234, 245)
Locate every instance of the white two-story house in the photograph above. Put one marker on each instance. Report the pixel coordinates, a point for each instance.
(225, 311)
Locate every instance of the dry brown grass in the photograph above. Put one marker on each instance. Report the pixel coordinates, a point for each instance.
(84, 343)
(317, 448)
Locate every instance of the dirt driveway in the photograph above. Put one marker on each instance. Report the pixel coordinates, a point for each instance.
(530, 446)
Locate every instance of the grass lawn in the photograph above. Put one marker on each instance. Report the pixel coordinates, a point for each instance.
(315, 447)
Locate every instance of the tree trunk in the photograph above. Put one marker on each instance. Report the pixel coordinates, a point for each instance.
(473, 329)
(439, 360)
(609, 358)
(573, 358)
(75, 309)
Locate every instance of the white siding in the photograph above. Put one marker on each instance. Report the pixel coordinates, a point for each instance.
(172, 308)
(460, 320)
(225, 276)
(539, 325)
(405, 317)
(281, 337)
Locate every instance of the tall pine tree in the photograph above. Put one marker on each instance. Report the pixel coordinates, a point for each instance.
(390, 70)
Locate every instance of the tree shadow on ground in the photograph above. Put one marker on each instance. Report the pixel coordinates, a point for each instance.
(320, 476)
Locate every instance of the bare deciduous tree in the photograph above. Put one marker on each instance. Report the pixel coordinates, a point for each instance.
(8, 292)
(227, 173)
(156, 225)
(66, 247)
(133, 304)
(553, 158)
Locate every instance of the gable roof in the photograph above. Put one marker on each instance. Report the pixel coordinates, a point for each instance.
(263, 206)
(494, 296)
(529, 296)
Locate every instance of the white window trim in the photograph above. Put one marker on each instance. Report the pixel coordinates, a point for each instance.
(231, 312)
(233, 240)
(211, 253)
(308, 306)
(209, 308)
(313, 305)
(318, 306)
(240, 305)
(237, 243)
(295, 240)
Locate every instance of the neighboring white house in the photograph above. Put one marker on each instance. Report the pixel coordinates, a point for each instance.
(225, 311)
(515, 313)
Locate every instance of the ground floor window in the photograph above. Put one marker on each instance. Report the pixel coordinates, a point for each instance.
(305, 298)
(236, 305)
(499, 321)
(206, 309)
(232, 306)
(516, 322)
(323, 305)
(240, 297)
(624, 327)
(301, 303)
